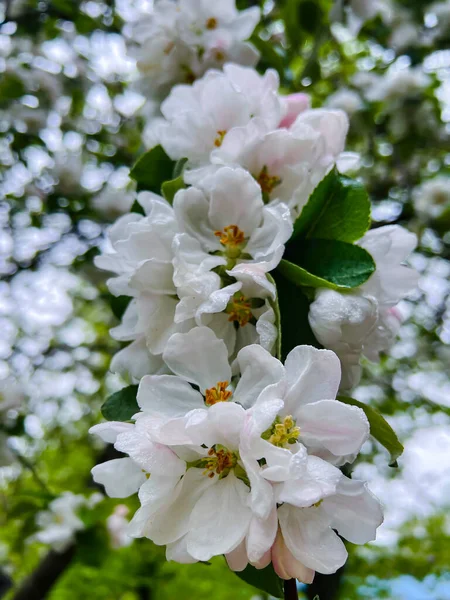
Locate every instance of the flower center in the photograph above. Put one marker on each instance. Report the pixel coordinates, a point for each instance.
(267, 182)
(211, 23)
(282, 432)
(239, 309)
(219, 139)
(233, 240)
(220, 462)
(217, 394)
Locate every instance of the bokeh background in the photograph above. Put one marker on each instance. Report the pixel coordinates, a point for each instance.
(72, 122)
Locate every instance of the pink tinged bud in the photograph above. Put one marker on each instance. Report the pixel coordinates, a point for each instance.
(286, 566)
(296, 104)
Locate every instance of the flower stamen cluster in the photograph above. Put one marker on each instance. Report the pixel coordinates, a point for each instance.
(282, 432)
(240, 310)
(216, 394)
(220, 462)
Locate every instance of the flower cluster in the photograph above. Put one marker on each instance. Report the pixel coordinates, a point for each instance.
(181, 39)
(59, 524)
(254, 159)
(231, 451)
(245, 469)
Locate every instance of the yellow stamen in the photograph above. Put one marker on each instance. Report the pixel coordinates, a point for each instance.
(217, 394)
(221, 462)
(231, 236)
(239, 309)
(267, 182)
(283, 432)
(211, 23)
(219, 139)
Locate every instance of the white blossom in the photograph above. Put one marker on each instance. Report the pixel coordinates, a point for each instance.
(363, 321)
(61, 522)
(213, 462)
(117, 526)
(287, 163)
(397, 84)
(347, 100)
(180, 40)
(432, 197)
(199, 117)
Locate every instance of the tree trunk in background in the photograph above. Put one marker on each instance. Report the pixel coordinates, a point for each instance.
(41, 581)
(325, 586)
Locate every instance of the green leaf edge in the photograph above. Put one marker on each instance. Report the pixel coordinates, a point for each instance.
(388, 439)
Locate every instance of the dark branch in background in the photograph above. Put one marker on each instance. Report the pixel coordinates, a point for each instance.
(39, 583)
(47, 573)
(290, 589)
(325, 586)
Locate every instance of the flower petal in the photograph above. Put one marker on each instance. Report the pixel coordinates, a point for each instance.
(338, 427)
(311, 375)
(317, 482)
(220, 519)
(354, 511)
(199, 357)
(121, 477)
(167, 396)
(309, 537)
(259, 369)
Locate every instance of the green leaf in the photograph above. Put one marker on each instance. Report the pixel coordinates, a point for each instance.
(170, 188)
(338, 209)
(152, 169)
(137, 208)
(271, 55)
(293, 309)
(379, 429)
(327, 263)
(119, 305)
(276, 309)
(263, 579)
(11, 88)
(122, 405)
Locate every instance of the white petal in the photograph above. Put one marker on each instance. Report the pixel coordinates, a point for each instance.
(151, 457)
(155, 493)
(261, 536)
(339, 428)
(191, 207)
(354, 511)
(177, 551)
(237, 559)
(235, 200)
(286, 566)
(258, 370)
(121, 477)
(220, 424)
(199, 357)
(307, 534)
(167, 396)
(171, 523)
(319, 481)
(109, 431)
(311, 375)
(220, 519)
(135, 360)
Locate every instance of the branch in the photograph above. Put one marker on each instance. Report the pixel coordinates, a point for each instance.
(41, 581)
(290, 589)
(327, 587)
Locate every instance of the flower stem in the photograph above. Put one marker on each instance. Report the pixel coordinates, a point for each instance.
(290, 589)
